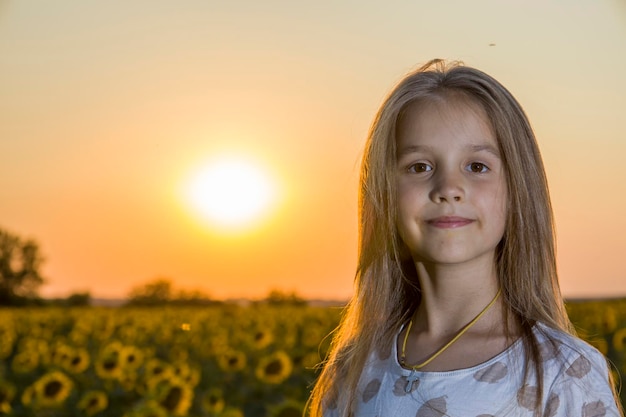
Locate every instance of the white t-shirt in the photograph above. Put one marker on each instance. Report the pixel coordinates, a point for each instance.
(575, 383)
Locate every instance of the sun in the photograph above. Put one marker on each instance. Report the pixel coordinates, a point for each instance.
(231, 192)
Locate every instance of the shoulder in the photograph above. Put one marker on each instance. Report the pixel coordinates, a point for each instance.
(555, 343)
(575, 375)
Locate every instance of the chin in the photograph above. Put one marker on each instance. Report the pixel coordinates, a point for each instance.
(448, 258)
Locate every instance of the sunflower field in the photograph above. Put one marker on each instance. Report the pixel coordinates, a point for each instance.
(213, 361)
(602, 323)
(223, 360)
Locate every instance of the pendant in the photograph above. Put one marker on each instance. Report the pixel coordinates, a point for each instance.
(410, 380)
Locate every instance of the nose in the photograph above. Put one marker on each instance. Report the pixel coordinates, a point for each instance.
(448, 187)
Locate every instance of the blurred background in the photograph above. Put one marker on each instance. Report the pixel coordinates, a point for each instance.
(196, 163)
(111, 112)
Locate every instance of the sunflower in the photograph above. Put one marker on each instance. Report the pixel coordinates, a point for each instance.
(186, 374)
(174, 396)
(129, 383)
(92, 402)
(25, 362)
(7, 393)
(77, 361)
(261, 338)
(131, 357)
(39, 328)
(275, 368)
(157, 370)
(619, 339)
(180, 369)
(113, 347)
(192, 378)
(108, 366)
(49, 354)
(232, 361)
(213, 401)
(61, 353)
(52, 389)
(28, 396)
(288, 408)
(103, 328)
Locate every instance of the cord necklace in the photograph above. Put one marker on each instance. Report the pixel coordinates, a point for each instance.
(412, 378)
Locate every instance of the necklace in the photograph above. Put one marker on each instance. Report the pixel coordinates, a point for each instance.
(412, 377)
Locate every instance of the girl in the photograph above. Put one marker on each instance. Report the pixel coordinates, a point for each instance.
(457, 309)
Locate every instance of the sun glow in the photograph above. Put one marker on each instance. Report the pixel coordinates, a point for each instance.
(231, 192)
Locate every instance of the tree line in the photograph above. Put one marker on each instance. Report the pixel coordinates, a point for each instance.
(20, 262)
(21, 279)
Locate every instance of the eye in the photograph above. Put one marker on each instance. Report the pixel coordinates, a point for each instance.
(420, 167)
(477, 167)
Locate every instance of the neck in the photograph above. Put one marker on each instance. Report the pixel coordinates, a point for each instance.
(452, 295)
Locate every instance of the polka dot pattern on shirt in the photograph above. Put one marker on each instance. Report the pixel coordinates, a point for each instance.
(435, 395)
(492, 374)
(552, 406)
(579, 368)
(399, 388)
(595, 409)
(436, 407)
(371, 390)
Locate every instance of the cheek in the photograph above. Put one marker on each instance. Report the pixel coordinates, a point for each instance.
(409, 202)
(402, 200)
(405, 213)
(494, 203)
(410, 194)
(500, 209)
(402, 219)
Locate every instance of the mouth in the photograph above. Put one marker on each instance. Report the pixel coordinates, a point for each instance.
(449, 222)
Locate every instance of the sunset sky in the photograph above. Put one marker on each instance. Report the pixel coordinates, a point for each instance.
(109, 111)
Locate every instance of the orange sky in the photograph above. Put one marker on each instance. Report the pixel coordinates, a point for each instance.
(106, 109)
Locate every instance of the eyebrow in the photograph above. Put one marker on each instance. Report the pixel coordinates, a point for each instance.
(485, 147)
(423, 148)
(412, 149)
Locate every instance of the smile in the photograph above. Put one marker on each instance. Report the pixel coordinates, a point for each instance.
(449, 222)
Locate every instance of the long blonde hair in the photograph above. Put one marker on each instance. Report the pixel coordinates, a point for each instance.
(386, 290)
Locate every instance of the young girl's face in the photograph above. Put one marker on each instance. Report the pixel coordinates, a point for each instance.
(452, 194)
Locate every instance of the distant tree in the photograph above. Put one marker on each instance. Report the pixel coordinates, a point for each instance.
(161, 291)
(155, 292)
(78, 299)
(278, 297)
(192, 297)
(20, 261)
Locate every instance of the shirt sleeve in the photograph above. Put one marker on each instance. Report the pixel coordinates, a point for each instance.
(582, 389)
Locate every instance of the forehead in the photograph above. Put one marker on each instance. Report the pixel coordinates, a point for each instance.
(457, 117)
